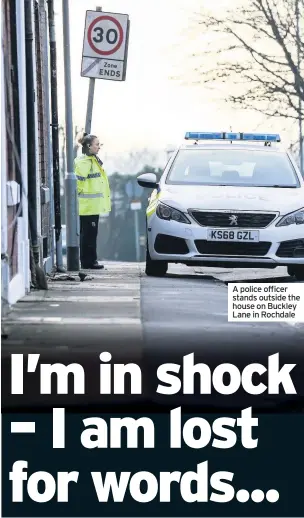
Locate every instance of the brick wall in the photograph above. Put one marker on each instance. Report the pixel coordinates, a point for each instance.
(41, 29)
(12, 122)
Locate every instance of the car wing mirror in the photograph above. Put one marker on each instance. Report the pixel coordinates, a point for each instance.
(148, 180)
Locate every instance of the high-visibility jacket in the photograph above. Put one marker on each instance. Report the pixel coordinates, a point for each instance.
(93, 186)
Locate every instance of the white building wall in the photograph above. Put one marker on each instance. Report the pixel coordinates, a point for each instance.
(4, 241)
(23, 230)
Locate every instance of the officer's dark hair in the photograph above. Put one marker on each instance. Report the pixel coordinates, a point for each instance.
(86, 139)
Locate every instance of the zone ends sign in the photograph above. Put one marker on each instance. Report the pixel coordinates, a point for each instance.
(105, 46)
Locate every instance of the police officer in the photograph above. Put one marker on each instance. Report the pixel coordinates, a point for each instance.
(93, 197)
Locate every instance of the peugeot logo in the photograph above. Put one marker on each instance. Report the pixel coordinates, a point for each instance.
(233, 219)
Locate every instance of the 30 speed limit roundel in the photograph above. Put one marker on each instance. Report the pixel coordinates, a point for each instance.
(105, 35)
(105, 46)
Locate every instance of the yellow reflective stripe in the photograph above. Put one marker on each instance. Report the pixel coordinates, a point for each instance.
(154, 204)
(150, 210)
(149, 213)
(98, 195)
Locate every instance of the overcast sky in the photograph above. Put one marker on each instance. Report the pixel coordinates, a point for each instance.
(148, 110)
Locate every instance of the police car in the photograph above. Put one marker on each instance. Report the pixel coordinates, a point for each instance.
(228, 200)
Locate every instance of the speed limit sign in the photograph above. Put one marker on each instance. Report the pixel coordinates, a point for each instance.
(105, 45)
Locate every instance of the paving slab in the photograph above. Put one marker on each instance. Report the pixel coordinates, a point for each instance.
(74, 315)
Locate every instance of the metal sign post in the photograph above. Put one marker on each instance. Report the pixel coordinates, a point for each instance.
(134, 191)
(72, 220)
(136, 206)
(90, 103)
(105, 51)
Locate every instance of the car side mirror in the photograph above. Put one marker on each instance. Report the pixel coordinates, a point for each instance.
(148, 180)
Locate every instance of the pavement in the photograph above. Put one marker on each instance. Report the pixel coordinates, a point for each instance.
(73, 314)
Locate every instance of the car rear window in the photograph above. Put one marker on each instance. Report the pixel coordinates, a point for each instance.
(232, 167)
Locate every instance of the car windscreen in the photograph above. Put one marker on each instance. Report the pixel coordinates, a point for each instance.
(241, 167)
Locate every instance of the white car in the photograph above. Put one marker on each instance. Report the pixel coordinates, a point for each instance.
(228, 200)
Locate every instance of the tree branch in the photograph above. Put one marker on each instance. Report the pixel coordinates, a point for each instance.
(264, 31)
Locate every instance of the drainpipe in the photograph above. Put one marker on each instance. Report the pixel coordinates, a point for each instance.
(31, 129)
(55, 137)
(47, 108)
(4, 223)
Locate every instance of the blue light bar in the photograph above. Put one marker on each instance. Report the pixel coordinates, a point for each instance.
(232, 136)
(254, 137)
(261, 137)
(204, 136)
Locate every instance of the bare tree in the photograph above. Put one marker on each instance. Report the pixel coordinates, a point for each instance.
(257, 49)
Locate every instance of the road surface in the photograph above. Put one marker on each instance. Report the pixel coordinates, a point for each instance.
(189, 306)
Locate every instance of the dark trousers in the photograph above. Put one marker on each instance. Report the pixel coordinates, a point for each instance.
(88, 240)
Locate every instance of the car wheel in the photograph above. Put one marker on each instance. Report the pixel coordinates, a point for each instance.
(155, 268)
(297, 272)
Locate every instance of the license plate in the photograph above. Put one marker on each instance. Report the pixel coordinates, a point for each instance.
(251, 236)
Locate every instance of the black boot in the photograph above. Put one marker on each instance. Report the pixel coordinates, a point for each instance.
(97, 266)
(94, 266)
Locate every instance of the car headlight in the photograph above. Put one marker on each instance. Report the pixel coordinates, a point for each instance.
(295, 218)
(165, 212)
